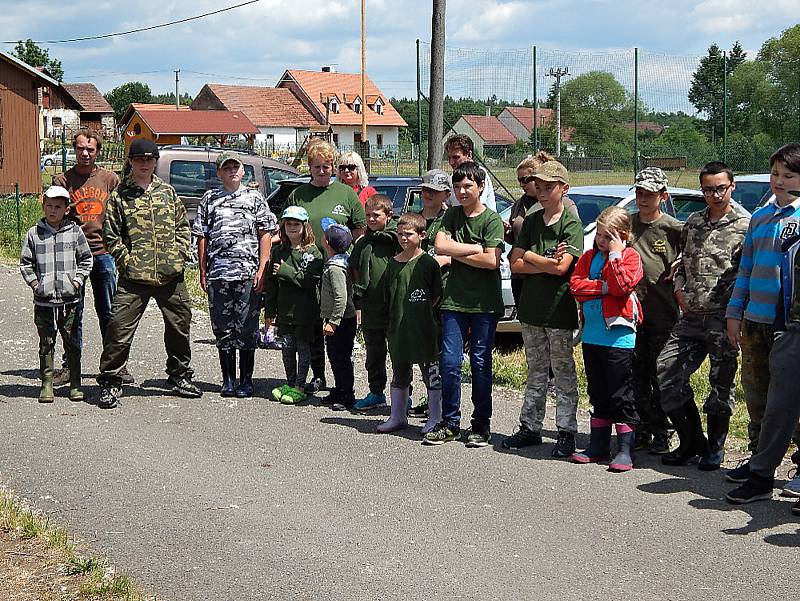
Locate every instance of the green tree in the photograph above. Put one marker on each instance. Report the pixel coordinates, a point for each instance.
(120, 97)
(169, 98)
(783, 56)
(707, 90)
(35, 56)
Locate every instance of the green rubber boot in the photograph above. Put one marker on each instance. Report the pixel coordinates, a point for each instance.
(75, 393)
(46, 373)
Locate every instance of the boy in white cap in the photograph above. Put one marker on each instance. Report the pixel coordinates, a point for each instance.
(55, 262)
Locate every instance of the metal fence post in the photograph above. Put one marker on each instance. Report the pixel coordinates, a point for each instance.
(535, 106)
(63, 149)
(635, 111)
(19, 216)
(419, 118)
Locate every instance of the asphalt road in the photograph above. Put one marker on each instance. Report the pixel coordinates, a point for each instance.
(219, 499)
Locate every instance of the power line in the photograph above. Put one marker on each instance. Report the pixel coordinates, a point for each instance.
(140, 29)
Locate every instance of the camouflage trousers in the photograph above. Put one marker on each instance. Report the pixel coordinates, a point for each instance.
(234, 308)
(50, 321)
(546, 348)
(694, 338)
(646, 392)
(757, 339)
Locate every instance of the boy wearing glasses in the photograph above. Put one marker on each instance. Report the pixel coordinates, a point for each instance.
(710, 249)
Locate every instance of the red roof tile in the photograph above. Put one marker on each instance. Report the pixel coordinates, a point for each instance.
(490, 129)
(88, 96)
(319, 84)
(265, 107)
(197, 123)
(525, 115)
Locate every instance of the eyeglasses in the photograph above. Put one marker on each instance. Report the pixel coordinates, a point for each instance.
(718, 191)
(347, 167)
(526, 180)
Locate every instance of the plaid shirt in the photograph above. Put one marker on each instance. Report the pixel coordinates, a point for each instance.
(55, 259)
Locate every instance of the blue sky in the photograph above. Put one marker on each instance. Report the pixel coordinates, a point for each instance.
(253, 45)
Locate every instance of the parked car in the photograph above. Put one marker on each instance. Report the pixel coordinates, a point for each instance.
(192, 170)
(55, 158)
(752, 190)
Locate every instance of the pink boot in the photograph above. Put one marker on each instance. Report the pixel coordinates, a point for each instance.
(398, 418)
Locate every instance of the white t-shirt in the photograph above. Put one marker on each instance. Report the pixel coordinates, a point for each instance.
(487, 196)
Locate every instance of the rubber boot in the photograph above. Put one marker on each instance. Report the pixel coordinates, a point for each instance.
(46, 373)
(717, 434)
(434, 410)
(687, 424)
(227, 363)
(247, 358)
(398, 418)
(623, 460)
(599, 443)
(75, 393)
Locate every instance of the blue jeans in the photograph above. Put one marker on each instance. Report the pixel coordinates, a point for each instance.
(478, 329)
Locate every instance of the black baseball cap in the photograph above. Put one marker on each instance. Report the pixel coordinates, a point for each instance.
(143, 148)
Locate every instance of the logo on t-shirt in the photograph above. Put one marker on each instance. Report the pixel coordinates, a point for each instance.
(789, 231)
(659, 246)
(339, 210)
(306, 260)
(417, 296)
(89, 203)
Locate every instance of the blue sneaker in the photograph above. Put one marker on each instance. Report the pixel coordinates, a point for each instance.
(371, 401)
(792, 487)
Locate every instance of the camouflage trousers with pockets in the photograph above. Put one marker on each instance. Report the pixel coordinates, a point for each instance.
(695, 337)
(546, 348)
(234, 307)
(50, 321)
(649, 344)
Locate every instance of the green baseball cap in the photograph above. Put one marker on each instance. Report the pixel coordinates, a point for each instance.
(227, 156)
(552, 171)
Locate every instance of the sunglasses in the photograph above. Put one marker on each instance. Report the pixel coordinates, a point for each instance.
(347, 167)
(526, 180)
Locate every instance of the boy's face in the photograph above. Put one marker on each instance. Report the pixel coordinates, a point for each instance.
(649, 201)
(376, 219)
(433, 199)
(85, 151)
(782, 180)
(717, 190)
(549, 193)
(468, 192)
(143, 167)
(231, 174)
(408, 237)
(456, 156)
(54, 210)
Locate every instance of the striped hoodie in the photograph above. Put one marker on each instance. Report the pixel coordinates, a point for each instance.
(756, 291)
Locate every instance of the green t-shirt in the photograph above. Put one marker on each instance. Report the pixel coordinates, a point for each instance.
(432, 226)
(657, 243)
(337, 201)
(290, 296)
(411, 289)
(370, 256)
(545, 300)
(472, 289)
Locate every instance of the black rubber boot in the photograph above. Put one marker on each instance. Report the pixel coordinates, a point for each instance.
(717, 434)
(247, 358)
(74, 362)
(623, 460)
(227, 363)
(690, 433)
(599, 443)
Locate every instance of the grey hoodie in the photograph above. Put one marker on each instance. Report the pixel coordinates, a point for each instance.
(336, 291)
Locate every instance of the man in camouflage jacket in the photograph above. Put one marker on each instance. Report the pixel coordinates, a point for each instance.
(710, 249)
(147, 233)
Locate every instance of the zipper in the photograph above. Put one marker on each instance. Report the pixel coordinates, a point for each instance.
(153, 226)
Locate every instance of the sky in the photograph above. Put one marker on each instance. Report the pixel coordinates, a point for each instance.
(255, 44)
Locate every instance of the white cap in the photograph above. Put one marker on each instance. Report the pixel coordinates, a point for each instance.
(57, 192)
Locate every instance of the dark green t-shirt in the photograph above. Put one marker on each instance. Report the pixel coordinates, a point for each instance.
(337, 201)
(546, 300)
(657, 243)
(472, 289)
(411, 289)
(369, 258)
(432, 226)
(290, 295)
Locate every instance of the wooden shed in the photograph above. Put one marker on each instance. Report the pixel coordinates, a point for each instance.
(21, 87)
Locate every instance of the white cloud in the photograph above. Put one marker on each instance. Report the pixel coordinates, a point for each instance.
(733, 16)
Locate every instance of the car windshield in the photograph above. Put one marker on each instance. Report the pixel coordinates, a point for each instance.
(749, 194)
(591, 205)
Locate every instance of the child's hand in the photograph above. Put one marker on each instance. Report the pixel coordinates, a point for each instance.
(561, 250)
(328, 329)
(276, 267)
(76, 284)
(35, 285)
(268, 321)
(615, 244)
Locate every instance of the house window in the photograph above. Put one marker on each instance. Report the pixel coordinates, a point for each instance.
(333, 105)
(357, 106)
(379, 139)
(379, 107)
(335, 139)
(56, 122)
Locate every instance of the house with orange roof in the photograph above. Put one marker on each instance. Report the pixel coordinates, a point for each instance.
(519, 120)
(334, 99)
(280, 117)
(487, 132)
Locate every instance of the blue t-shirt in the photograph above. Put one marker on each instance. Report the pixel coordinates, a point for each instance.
(595, 330)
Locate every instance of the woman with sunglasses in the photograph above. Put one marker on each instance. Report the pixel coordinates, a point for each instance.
(353, 173)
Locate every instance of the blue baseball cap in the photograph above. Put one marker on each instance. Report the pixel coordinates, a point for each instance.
(293, 212)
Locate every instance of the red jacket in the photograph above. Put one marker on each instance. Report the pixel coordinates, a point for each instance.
(621, 273)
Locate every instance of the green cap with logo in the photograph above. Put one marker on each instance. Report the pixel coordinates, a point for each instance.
(552, 171)
(227, 156)
(651, 179)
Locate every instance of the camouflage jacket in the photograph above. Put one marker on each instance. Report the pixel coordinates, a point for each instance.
(709, 260)
(147, 233)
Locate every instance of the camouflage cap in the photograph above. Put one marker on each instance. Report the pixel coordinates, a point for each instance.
(552, 171)
(227, 156)
(294, 212)
(436, 180)
(143, 148)
(651, 179)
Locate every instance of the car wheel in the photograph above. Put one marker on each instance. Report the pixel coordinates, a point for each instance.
(48, 162)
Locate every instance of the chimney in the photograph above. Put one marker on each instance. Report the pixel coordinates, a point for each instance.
(328, 69)
(488, 111)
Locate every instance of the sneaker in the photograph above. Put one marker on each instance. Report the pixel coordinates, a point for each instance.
(754, 489)
(441, 434)
(796, 508)
(183, 386)
(316, 385)
(109, 397)
(739, 474)
(371, 401)
(292, 396)
(565, 445)
(660, 443)
(61, 377)
(477, 439)
(642, 440)
(277, 393)
(792, 487)
(524, 437)
(420, 410)
(127, 378)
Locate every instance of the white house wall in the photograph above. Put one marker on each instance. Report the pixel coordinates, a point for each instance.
(346, 133)
(69, 118)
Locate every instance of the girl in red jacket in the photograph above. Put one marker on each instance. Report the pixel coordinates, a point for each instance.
(603, 282)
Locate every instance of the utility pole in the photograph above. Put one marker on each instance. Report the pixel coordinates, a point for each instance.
(436, 95)
(177, 95)
(558, 73)
(363, 76)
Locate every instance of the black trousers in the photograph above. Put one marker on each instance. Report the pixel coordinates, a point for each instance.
(340, 356)
(610, 383)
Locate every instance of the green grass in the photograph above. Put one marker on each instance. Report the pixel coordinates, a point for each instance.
(30, 211)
